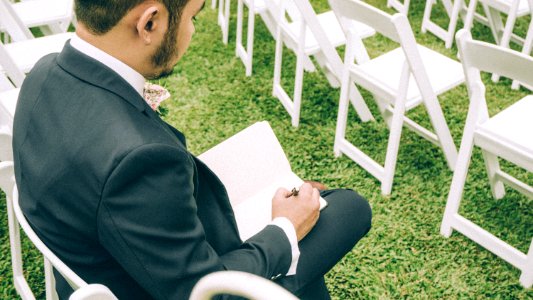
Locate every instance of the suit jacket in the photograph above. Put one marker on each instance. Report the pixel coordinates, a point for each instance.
(113, 191)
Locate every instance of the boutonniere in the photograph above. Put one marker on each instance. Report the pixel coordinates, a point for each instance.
(154, 94)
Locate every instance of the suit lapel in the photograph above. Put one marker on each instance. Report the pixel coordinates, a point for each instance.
(94, 72)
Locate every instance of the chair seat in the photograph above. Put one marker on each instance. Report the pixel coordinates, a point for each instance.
(259, 5)
(37, 13)
(8, 102)
(387, 69)
(504, 6)
(511, 128)
(26, 53)
(331, 26)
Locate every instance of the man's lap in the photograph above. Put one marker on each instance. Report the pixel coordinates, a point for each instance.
(345, 220)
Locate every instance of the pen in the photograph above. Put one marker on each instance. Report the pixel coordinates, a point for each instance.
(294, 192)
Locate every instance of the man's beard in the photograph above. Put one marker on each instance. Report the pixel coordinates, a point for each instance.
(164, 55)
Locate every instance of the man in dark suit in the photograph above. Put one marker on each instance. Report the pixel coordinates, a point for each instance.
(113, 191)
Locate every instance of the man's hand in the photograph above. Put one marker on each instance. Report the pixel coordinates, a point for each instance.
(302, 210)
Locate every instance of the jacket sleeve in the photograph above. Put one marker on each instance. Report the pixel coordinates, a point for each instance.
(147, 220)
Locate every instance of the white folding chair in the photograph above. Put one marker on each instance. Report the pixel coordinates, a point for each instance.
(401, 7)
(238, 284)
(213, 4)
(503, 33)
(223, 18)
(52, 16)
(52, 261)
(506, 135)
(401, 79)
(304, 32)
(255, 7)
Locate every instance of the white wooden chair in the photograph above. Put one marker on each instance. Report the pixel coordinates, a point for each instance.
(213, 4)
(255, 7)
(402, 79)
(503, 33)
(238, 284)
(52, 16)
(223, 18)
(400, 6)
(309, 34)
(88, 291)
(506, 135)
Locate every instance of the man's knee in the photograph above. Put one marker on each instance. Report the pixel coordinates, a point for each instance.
(354, 208)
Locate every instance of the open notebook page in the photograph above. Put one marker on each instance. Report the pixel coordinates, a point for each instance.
(252, 165)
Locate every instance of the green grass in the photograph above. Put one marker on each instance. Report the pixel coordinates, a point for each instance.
(403, 256)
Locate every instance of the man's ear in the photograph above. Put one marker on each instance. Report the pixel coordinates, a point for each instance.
(148, 23)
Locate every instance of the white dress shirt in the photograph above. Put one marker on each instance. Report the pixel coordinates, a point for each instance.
(136, 80)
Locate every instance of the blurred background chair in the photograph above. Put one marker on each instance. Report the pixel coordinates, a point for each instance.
(51, 16)
(506, 135)
(303, 31)
(241, 284)
(454, 9)
(400, 79)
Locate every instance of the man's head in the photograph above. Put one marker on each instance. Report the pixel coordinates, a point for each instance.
(161, 29)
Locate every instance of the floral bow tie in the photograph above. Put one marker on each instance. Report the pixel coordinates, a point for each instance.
(154, 94)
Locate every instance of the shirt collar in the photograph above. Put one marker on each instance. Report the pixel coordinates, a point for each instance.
(134, 78)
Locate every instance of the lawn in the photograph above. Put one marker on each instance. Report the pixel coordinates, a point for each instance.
(403, 256)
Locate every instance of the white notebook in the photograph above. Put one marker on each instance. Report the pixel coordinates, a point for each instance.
(252, 166)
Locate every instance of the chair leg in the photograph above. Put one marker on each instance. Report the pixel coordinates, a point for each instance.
(238, 36)
(528, 43)
(213, 4)
(298, 87)
(526, 278)
(342, 116)
(454, 17)
(507, 32)
(246, 55)
(493, 166)
(442, 131)
(392, 147)
(250, 40)
(278, 59)
(21, 285)
(223, 19)
(360, 106)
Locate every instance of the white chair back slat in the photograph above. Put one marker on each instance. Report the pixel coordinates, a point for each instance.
(10, 70)
(373, 17)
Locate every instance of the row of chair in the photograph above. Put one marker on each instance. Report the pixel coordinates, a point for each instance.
(404, 78)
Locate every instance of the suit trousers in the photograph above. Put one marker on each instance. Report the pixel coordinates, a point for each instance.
(345, 220)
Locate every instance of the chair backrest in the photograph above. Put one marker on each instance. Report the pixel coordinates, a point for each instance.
(478, 56)
(239, 284)
(12, 24)
(7, 179)
(72, 278)
(11, 75)
(394, 27)
(6, 148)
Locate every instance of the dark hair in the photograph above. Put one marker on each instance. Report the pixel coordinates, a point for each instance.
(99, 16)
